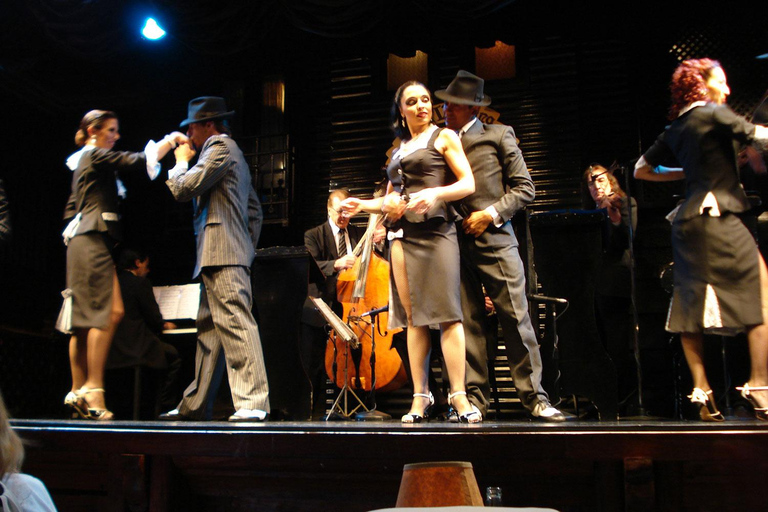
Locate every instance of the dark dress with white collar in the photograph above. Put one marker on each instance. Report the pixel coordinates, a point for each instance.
(716, 273)
(90, 267)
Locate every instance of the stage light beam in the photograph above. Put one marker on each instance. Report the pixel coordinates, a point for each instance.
(152, 30)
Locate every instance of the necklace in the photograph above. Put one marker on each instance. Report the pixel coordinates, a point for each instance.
(418, 142)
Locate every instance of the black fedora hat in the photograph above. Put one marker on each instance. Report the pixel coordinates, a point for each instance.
(465, 89)
(206, 108)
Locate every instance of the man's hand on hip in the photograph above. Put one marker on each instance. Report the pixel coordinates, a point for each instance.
(476, 223)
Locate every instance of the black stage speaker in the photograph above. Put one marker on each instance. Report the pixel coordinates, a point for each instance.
(279, 277)
(567, 253)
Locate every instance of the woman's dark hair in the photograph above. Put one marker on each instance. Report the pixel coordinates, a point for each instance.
(93, 119)
(689, 83)
(399, 126)
(586, 178)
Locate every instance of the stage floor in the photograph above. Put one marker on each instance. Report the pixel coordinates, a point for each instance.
(356, 466)
(394, 426)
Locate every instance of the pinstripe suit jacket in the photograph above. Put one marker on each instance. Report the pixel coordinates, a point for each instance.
(228, 214)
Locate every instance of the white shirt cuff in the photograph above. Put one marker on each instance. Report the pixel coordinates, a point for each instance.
(153, 166)
(497, 220)
(710, 201)
(180, 168)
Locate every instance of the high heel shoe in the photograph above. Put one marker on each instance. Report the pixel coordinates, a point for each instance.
(93, 412)
(473, 416)
(707, 408)
(416, 418)
(77, 403)
(761, 413)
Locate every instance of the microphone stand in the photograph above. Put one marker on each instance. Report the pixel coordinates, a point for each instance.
(371, 414)
(641, 412)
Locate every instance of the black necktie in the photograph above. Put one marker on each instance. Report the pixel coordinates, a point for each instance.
(342, 243)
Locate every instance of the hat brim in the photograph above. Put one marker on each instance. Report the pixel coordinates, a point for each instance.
(443, 95)
(224, 115)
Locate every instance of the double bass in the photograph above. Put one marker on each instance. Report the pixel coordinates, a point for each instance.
(362, 289)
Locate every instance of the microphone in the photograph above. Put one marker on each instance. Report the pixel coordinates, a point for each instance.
(376, 311)
(545, 299)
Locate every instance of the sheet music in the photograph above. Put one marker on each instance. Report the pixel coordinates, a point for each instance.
(338, 325)
(179, 301)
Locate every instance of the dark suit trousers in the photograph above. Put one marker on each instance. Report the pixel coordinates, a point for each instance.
(492, 260)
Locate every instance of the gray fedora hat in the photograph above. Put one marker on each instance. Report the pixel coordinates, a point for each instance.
(206, 108)
(465, 89)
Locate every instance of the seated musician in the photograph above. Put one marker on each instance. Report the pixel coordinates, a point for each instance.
(330, 244)
(601, 190)
(136, 340)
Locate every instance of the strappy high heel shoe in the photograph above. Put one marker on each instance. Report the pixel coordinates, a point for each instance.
(77, 403)
(473, 416)
(93, 412)
(761, 413)
(707, 408)
(416, 418)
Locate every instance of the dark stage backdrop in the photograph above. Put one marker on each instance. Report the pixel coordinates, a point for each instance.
(591, 86)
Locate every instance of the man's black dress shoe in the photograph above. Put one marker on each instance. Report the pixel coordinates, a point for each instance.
(173, 415)
(543, 411)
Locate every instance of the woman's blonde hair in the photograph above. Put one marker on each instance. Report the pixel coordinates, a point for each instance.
(11, 449)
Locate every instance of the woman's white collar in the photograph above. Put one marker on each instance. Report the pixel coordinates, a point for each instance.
(691, 107)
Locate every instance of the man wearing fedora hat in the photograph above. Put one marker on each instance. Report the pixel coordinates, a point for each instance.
(489, 254)
(227, 225)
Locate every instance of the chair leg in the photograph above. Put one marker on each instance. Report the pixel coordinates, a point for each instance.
(494, 387)
(492, 349)
(136, 392)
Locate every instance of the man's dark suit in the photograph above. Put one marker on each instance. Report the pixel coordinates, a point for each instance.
(492, 261)
(136, 340)
(322, 245)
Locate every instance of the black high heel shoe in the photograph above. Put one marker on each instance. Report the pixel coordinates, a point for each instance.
(761, 413)
(416, 418)
(707, 408)
(473, 416)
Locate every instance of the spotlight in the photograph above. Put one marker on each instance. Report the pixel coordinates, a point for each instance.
(152, 30)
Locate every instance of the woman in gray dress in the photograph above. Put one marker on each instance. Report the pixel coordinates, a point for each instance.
(426, 173)
(720, 281)
(93, 306)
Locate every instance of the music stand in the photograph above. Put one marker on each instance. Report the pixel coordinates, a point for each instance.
(349, 338)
